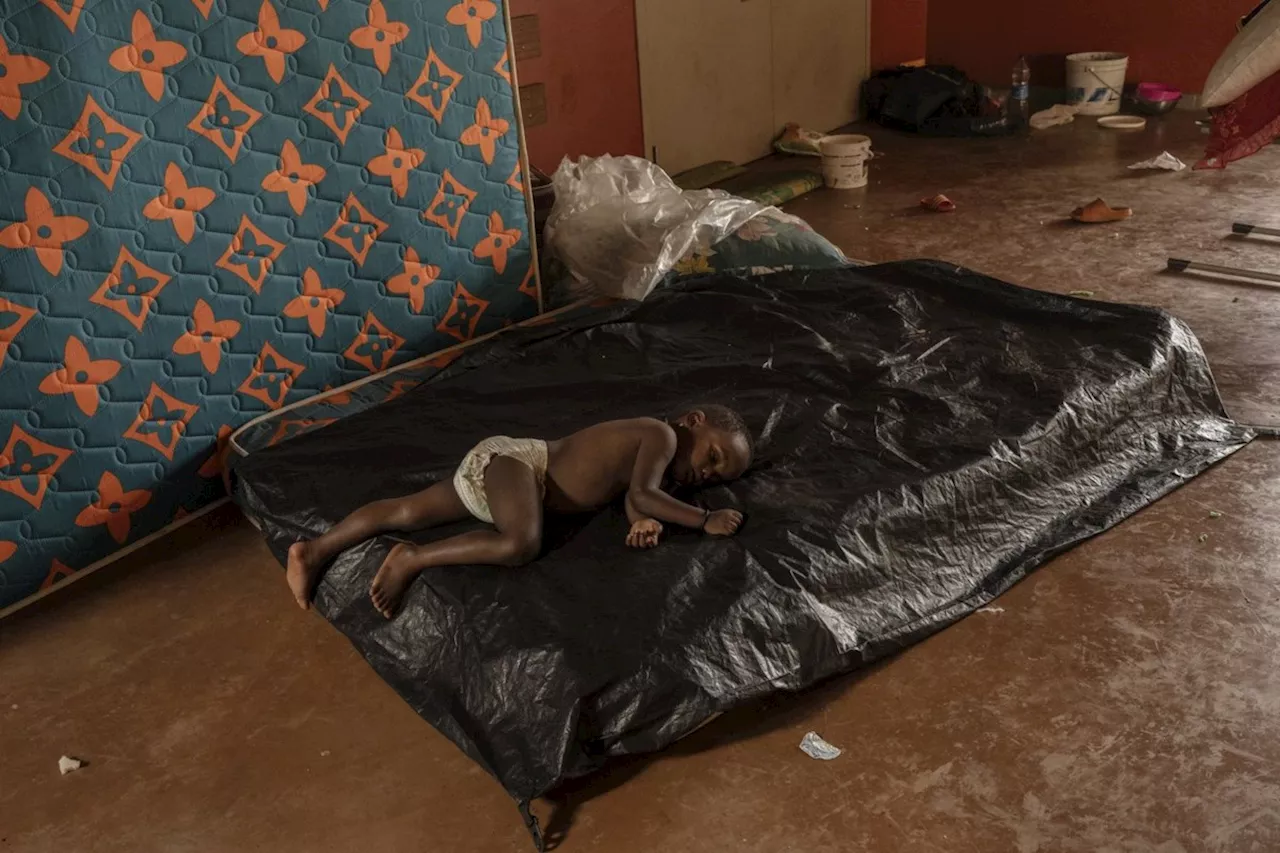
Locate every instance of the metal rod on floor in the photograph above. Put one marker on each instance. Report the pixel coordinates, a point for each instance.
(1245, 229)
(1179, 265)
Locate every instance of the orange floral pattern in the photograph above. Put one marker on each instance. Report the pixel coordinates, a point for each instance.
(250, 254)
(113, 507)
(337, 105)
(43, 231)
(130, 289)
(435, 86)
(379, 35)
(161, 422)
(472, 14)
(375, 346)
(396, 162)
(224, 120)
(99, 143)
(217, 461)
(147, 56)
(450, 204)
(293, 178)
(414, 280)
(206, 336)
(68, 11)
(80, 376)
(270, 41)
(19, 70)
(499, 241)
(355, 230)
(27, 465)
(57, 572)
(315, 303)
(486, 131)
(463, 315)
(337, 398)
(271, 378)
(13, 317)
(179, 203)
(399, 388)
(529, 286)
(209, 204)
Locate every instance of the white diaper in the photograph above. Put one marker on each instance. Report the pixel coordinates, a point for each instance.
(469, 479)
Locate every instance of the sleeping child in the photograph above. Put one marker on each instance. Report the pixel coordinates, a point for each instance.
(510, 483)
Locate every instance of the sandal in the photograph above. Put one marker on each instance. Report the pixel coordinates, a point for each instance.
(938, 204)
(1099, 211)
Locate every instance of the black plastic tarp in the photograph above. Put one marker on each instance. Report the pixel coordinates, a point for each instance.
(926, 436)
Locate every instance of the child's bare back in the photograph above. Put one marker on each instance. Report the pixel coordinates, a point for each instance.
(509, 482)
(593, 467)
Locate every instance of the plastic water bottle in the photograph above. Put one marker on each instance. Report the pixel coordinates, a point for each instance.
(1019, 108)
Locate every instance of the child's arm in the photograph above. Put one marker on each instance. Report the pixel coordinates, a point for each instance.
(645, 495)
(634, 515)
(645, 532)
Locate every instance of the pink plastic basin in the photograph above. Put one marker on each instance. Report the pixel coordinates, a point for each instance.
(1158, 92)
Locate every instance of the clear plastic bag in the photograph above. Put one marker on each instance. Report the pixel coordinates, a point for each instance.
(620, 224)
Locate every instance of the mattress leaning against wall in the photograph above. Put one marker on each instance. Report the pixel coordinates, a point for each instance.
(210, 209)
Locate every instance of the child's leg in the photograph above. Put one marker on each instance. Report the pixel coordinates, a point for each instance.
(438, 504)
(515, 501)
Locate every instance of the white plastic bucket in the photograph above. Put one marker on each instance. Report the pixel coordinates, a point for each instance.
(1095, 81)
(844, 160)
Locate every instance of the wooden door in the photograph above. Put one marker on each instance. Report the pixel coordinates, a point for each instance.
(820, 52)
(706, 85)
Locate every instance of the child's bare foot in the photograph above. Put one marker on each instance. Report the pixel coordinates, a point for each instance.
(302, 572)
(394, 576)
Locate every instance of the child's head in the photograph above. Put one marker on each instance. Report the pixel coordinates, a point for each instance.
(715, 446)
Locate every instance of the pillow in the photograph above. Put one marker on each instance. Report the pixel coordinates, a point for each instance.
(1252, 56)
(767, 243)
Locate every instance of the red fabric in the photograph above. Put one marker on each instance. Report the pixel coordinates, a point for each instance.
(1245, 125)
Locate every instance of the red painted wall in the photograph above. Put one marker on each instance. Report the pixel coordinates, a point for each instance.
(590, 68)
(1168, 41)
(899, 32)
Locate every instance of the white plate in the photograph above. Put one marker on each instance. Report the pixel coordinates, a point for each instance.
(1123, 122)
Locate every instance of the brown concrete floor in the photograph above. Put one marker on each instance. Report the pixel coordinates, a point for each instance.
(1126, 697)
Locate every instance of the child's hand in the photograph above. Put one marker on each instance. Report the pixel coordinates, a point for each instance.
(723, 522)
(644, 533)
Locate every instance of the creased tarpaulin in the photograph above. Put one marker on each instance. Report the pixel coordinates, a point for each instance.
(927, 436)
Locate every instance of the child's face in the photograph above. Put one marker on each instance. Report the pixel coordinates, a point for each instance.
(708, 454)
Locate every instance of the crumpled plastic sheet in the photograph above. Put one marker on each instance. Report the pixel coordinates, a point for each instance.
(926, 436)
(1163, 160)
(620, 224)
(815, 747)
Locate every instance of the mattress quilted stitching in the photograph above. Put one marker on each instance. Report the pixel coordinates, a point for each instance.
(214, 208)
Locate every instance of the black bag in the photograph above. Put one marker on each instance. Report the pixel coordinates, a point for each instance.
(936, 100)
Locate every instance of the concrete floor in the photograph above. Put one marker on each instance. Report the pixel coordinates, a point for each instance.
(1126, 697)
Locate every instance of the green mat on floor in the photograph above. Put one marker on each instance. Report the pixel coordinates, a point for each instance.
(773, 188)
